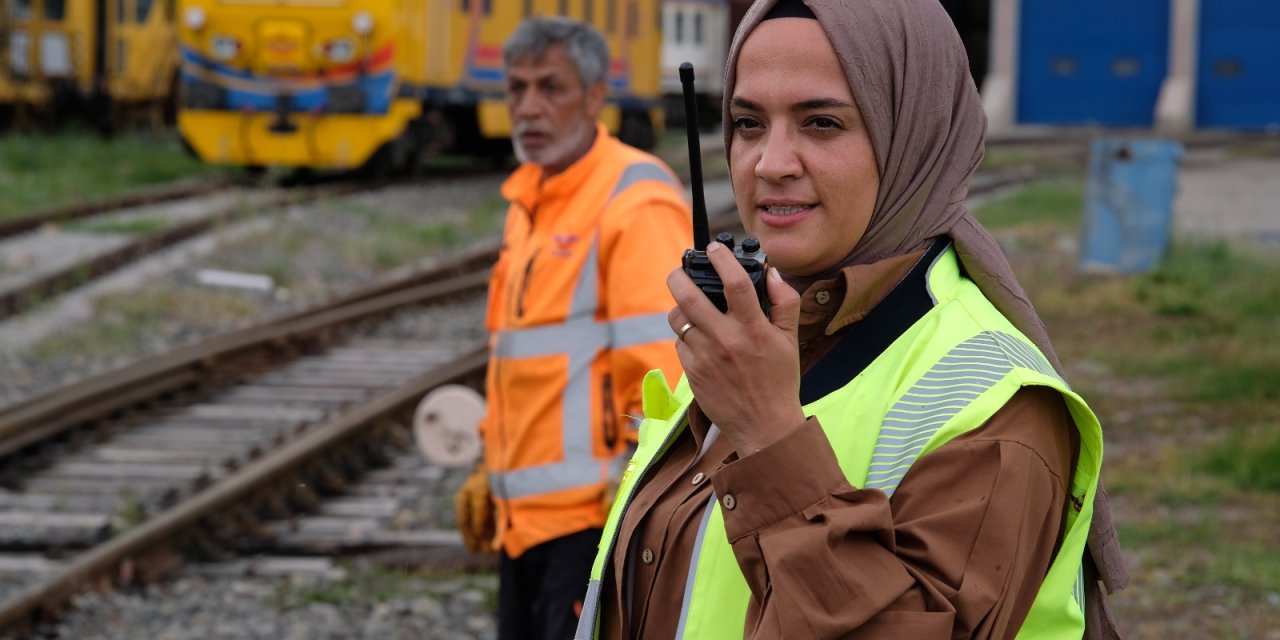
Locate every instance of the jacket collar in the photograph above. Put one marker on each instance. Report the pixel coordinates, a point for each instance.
(878, 306)
(527, 187)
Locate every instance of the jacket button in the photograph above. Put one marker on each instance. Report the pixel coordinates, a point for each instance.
(822, 297)
(647, 556)
(698, 478)
(729, 501)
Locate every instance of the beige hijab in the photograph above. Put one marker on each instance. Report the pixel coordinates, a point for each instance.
(910, 77)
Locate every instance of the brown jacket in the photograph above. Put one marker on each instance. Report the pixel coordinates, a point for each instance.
(960, 551)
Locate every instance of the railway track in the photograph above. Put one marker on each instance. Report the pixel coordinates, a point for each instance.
(46, 254)
(190, 452)
(285, 439)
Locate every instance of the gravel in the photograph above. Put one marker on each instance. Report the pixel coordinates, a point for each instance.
(311, 252)
(349, 603)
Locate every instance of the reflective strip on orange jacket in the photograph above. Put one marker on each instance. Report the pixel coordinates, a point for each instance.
(577, 315)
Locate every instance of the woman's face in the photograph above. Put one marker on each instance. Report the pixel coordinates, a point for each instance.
(804, 173)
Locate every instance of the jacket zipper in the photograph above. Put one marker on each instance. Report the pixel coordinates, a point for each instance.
(524, 283)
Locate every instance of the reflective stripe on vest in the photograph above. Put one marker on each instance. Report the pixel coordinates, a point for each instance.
(969, 370)
(580, 337)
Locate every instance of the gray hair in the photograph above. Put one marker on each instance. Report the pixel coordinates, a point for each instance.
(582, 43)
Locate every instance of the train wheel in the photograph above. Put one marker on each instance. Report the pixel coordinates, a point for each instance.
(381, 164)
(254, 175)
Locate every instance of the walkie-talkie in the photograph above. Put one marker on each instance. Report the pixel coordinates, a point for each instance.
(696, 263)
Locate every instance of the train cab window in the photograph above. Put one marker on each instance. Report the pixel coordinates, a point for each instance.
(487, 8)
(588, 11)
(611, 15)
(528, 8)
(564, 8)
(679, 37)
(633, 19)
(141, 10)
(55, 9)
(20, 9)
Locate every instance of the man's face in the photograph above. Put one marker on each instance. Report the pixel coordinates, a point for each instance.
(553, 117)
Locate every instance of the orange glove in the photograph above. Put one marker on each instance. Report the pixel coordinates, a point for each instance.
(475, 511)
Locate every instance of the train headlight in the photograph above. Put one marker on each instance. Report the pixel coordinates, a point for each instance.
(362, 23)
(224, 47)
(194, 18)
(340, 50)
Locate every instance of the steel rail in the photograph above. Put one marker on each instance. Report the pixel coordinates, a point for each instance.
(84, 569)
(67, 213)
(60, 410)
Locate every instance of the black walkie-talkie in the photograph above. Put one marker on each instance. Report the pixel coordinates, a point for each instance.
(696, 263)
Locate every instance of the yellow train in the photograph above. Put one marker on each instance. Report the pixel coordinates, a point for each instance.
(111, 58)
(343, 84)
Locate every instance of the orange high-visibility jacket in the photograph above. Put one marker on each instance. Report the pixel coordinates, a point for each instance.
(577, 314)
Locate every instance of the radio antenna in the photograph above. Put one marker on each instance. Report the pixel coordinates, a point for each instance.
(701, 228)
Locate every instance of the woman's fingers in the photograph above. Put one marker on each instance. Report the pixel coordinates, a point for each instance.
(738, 289)
(784, 311)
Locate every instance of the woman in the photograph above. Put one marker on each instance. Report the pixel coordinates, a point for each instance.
(892, 452)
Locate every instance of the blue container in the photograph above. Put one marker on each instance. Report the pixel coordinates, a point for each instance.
(1128, 204)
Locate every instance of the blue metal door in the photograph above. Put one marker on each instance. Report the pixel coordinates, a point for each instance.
(1092, 61)
(1238, 74)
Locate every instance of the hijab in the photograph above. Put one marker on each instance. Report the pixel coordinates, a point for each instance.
(910, 77)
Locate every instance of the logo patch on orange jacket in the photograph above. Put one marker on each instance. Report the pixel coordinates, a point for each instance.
(564, 244)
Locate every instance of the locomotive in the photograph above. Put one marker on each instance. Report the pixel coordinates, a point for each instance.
(348, 84)
(109, 59)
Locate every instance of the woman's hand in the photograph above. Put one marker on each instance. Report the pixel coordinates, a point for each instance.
(743, 368)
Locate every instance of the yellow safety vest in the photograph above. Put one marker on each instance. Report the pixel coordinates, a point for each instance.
(944, 376)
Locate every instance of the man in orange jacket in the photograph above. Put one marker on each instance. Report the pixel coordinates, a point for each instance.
(577, 314)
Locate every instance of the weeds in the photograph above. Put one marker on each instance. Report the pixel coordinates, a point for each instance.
(42, 171)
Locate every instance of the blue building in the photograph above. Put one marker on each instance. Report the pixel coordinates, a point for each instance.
(1174, 65)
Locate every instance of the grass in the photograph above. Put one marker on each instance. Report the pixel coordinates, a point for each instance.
(1249, 457)
(127, 227)
(1004, 158)
(1058, 202)
(123, 322)
(392, 241)
(1182, 365)
(39, 171)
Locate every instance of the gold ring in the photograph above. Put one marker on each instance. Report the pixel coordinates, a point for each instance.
(683, 330)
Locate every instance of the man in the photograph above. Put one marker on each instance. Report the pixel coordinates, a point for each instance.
(577, 315)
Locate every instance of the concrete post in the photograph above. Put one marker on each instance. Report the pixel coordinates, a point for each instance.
(1176, 106)
(1000, 88)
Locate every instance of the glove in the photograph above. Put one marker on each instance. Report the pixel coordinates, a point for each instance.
(475, 511)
